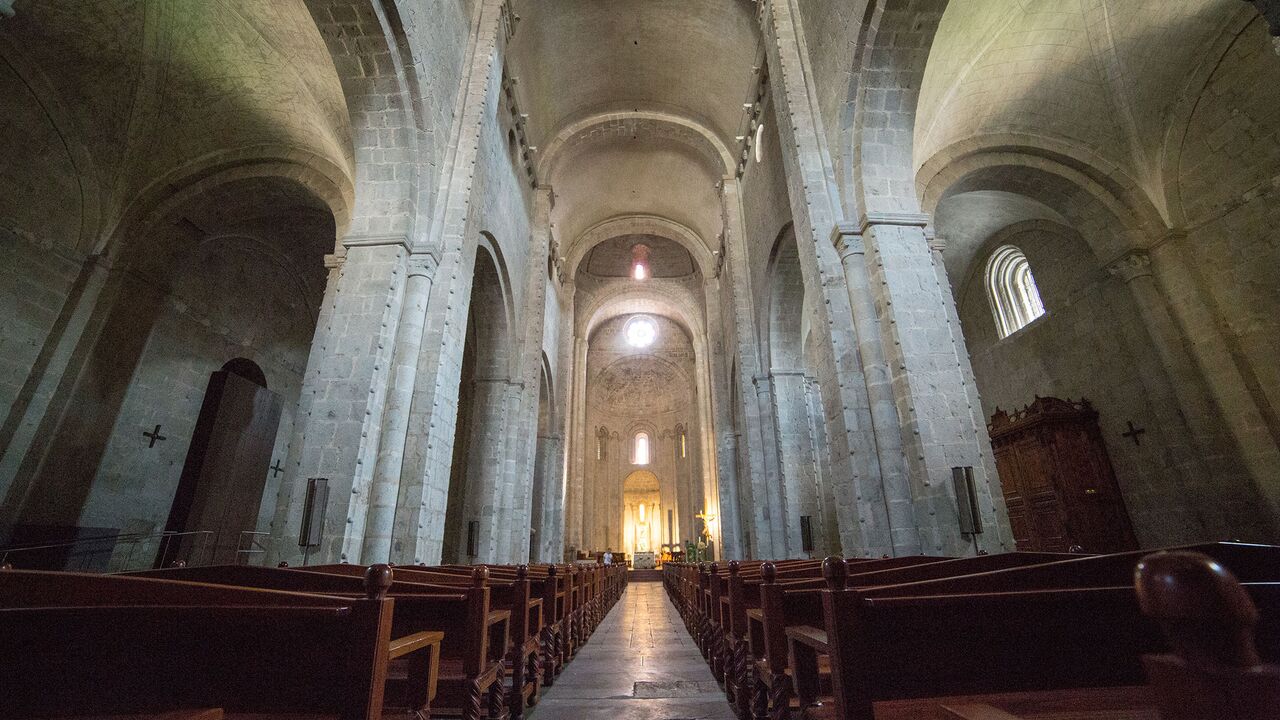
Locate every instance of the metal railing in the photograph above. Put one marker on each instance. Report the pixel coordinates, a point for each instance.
(121, 552)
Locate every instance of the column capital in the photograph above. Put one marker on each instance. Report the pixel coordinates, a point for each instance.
(1131, 266)
(353, 241)
(901, 219)
(421, 265)
(847, 238)
(334, 261)
(937, 244)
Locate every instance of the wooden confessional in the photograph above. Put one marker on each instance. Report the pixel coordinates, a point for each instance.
(1057, 479)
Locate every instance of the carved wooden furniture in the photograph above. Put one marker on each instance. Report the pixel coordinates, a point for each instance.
(1057, 479)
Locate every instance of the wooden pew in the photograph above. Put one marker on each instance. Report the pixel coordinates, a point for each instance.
(80, 644)
(783, 605)
(1025, 630)
(420, 608)
(473, 662)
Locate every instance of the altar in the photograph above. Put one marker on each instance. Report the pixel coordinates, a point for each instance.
(643, 561)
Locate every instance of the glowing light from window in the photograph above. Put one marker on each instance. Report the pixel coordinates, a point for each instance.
(641, 512)
(1015, 299)
(642, 449)
(639, 261)
(759, 142)
(640, 332)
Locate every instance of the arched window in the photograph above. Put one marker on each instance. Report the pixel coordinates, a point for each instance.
(642, 449)
(1015, 300)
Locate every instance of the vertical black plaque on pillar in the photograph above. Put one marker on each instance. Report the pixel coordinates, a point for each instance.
(967, 500)
(473, 537)
(806, 533)
(313, 512)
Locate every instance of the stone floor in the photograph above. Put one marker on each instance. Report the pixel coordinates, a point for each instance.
(640, 664)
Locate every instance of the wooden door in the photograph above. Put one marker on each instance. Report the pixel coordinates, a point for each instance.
(226, 468)
(1057, 479)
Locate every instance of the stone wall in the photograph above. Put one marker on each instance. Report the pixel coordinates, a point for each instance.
(1092, 345)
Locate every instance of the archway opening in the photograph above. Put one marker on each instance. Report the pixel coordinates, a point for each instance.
(485, 406)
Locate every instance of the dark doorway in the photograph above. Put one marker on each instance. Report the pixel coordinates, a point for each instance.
(220, 490)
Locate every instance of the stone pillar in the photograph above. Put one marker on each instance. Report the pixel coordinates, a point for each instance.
(552, 540)
(339, 422)
(520, 495)
(828, 541)
(799, 485)
(761, 468)
(775, 494)
(1223, 507)
(938, 428)
(719, 486)
(995, 515)
(889, 461)
(385, 492)
(862, 512)
(55, 453)
(582, 446)
(424, 487)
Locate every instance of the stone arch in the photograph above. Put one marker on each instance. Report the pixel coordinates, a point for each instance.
(876, 145)
(165, 198)
(1028, 164)
(62, 120)
(1233, 27)
(597, 127)
(781, 324)
(374, 61)
(1113, 221)
(703, 254)
(247, 369)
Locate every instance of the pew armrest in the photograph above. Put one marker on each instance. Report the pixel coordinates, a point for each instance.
(804, 646)
(813, 637)
(402, 646)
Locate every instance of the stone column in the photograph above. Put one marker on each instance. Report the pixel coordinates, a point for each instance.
(1199, 419)
(385, 492)
(864, 524)
(719, 485)
(761, 468)
(829, 540)
(582, 445)
(424, 487)
(995, 515)
(889, 461)
(344, 391)
(777, 492)
(937, 422)
(520, 495)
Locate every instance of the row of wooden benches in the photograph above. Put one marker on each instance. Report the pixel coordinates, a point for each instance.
(332, 640)
(862, 639)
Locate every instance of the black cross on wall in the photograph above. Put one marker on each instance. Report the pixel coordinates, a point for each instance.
(154, 437)
(277, 468)
(1133, 433)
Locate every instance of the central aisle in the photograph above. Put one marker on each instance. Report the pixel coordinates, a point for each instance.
(640, 664)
